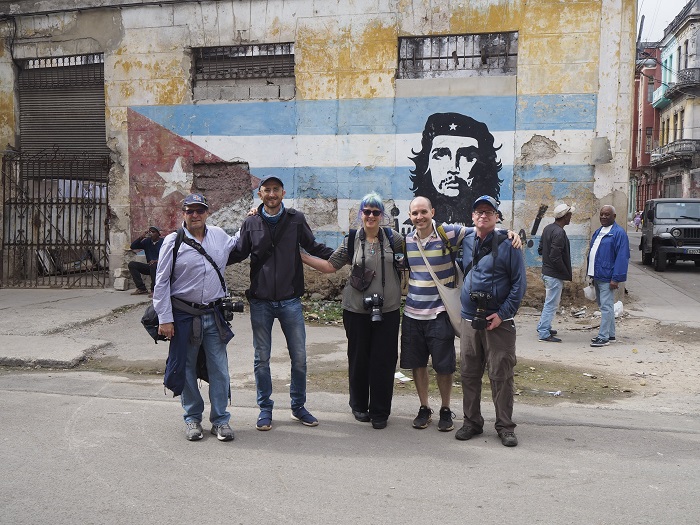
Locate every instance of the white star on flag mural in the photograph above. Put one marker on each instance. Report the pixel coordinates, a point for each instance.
(177, 179)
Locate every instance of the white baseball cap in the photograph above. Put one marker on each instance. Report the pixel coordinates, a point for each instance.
(562, 210)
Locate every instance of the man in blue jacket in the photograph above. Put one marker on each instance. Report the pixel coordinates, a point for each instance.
(608, 259)
(494, 286)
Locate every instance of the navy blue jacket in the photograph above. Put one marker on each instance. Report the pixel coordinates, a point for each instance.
(152, 249)
(502, 276)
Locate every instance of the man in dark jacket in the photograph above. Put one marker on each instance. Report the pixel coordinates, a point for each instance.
(150, 242)
(556, 268)
(272, 238)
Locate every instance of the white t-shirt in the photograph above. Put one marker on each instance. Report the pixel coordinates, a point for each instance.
(594, 249)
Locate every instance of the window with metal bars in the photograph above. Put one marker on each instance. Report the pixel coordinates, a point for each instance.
(255, 71)
(455, 56)
(247, 61)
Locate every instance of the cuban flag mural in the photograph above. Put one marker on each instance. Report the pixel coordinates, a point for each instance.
(330, 153)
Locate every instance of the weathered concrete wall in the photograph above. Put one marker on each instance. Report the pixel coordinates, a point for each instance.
(352, 127)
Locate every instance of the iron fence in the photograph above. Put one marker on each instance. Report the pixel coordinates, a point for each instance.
(55, 221)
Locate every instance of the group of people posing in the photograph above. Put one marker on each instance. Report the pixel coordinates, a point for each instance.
(194, 311)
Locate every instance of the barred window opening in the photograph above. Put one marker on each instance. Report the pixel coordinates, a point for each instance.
(454, 56)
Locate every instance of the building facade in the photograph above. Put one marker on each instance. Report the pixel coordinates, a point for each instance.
(532, 100)
(676, 162)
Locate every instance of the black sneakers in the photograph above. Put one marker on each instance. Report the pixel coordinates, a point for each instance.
(423, 418)
(445, 424)
(599, 341)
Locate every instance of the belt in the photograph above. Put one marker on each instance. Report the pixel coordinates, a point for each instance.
(200, 306)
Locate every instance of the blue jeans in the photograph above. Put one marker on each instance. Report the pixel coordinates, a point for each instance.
(605, 297)
(291, 319)
(553, 287)
(219, 381)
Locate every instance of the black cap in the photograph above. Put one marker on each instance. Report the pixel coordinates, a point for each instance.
(268, 178)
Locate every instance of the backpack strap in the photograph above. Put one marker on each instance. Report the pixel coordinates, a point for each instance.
(351, 244)
(178, 241)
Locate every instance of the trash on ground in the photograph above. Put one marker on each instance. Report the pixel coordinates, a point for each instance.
(617, 307)
(590, 375)
(555, 394)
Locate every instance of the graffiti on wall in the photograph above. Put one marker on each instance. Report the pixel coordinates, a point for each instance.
(457, 163)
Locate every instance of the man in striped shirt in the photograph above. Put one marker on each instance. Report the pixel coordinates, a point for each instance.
(426, 331)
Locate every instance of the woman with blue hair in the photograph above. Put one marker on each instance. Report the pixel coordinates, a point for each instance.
(371, 301)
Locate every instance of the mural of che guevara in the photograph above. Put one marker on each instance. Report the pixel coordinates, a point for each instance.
(456, 164)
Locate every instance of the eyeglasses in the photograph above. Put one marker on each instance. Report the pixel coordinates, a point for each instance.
(198, 211)
(484, 213)
(376, 213)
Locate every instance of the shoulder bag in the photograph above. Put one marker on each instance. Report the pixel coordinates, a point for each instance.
(450, 296)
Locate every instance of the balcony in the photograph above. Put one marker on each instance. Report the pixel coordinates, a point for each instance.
(686, 79)
(659, 100)
(682, 149)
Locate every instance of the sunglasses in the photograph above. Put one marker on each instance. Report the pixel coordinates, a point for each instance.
(197, 211)
(376, 213)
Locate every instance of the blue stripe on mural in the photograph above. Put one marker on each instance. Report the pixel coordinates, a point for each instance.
(557, 111)
(583, 173)
(371, 116)
(355, 182)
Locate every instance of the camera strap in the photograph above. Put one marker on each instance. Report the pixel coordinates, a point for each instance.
(194, 244)
(363, 236)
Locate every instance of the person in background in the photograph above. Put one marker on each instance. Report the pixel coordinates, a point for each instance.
(371, 302)
(608, 259)
(150, 242)
(556, 268)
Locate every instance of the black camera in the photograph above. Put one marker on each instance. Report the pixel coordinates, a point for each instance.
(481, 299)
(228, 306)
(374, 302)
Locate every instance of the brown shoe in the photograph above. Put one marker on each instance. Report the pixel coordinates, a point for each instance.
(139, 291)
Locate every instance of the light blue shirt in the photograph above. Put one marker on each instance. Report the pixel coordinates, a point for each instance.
(194, 278)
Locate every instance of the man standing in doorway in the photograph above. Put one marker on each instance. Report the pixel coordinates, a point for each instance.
(272, 238)
(494, 286)
(608, 259)
(556, 268)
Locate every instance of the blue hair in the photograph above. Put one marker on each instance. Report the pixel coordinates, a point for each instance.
(373, 200)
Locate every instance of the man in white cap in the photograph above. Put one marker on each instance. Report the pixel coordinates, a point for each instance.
(556, 268)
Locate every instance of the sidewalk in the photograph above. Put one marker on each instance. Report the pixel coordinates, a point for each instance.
(39, 327)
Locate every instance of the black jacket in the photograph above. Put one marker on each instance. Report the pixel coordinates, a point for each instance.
(276, 270)
(556, 253)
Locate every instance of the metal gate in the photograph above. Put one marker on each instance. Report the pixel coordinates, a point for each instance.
(55, 221)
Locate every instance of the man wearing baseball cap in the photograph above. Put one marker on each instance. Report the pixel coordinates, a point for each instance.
(556, 268)
(272, 238)
(188, 299)
(494, 286)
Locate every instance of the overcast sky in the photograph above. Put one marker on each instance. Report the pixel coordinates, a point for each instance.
(657, 15)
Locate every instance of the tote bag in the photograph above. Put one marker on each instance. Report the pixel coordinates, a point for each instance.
(450, 296)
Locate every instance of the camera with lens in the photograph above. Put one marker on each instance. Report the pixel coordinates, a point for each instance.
(481, 299)
(228, 306)
(374, 303)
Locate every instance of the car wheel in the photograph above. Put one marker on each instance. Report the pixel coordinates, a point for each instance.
(697, 263)
(659, 261)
